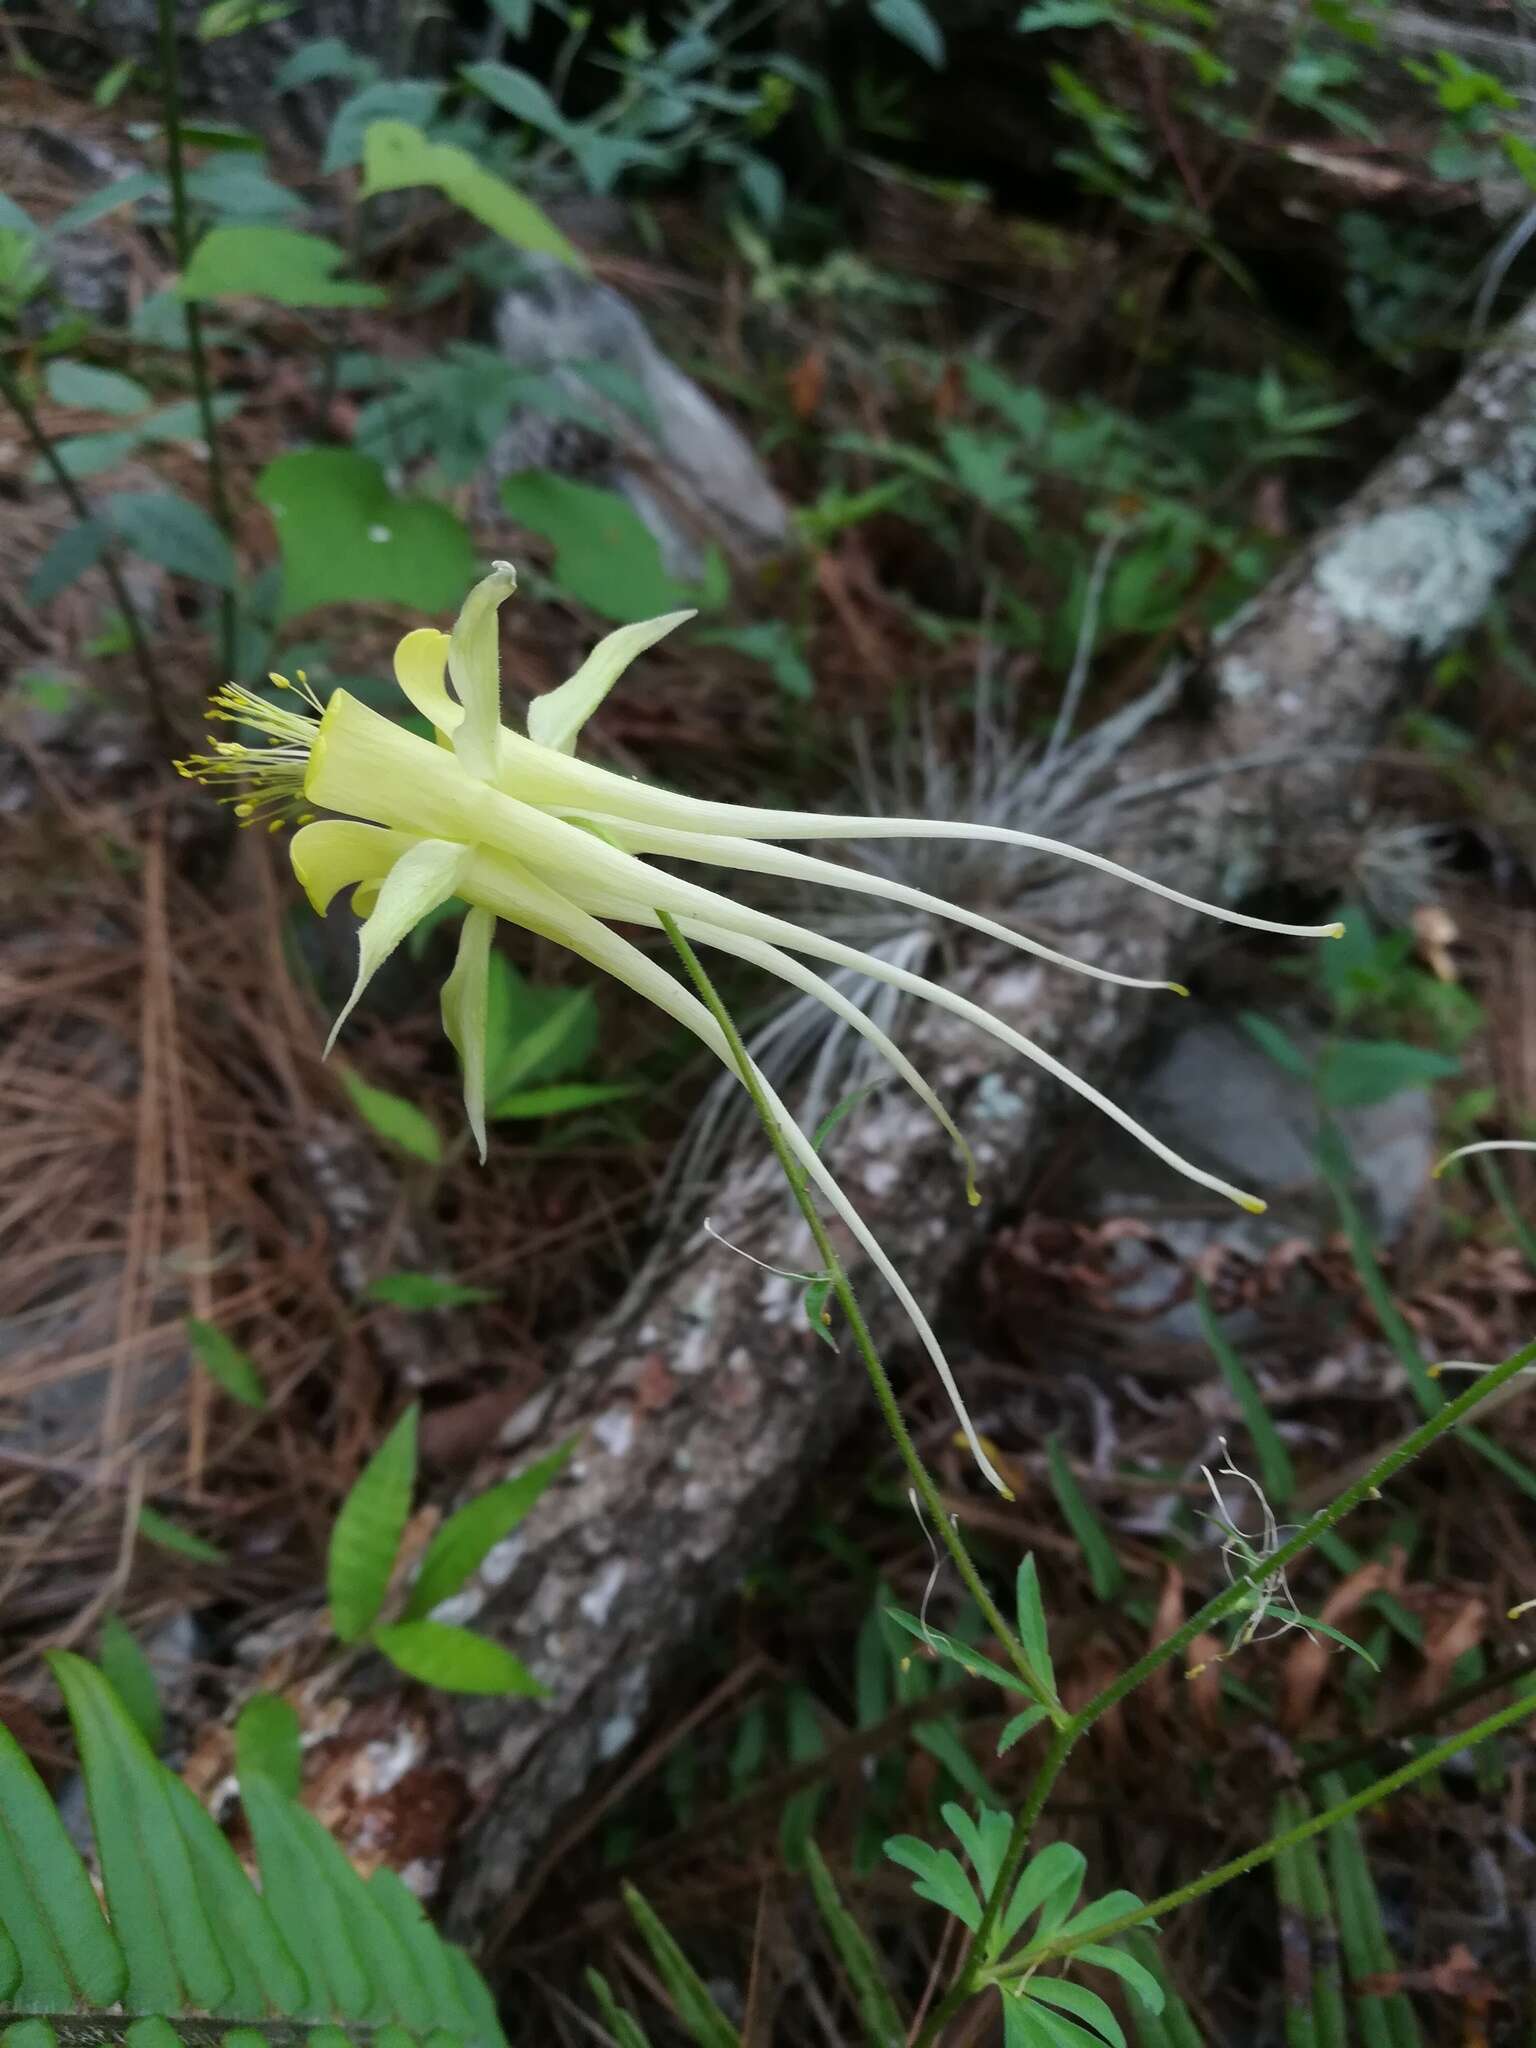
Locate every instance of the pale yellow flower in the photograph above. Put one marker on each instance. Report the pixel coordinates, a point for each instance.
(519, 828)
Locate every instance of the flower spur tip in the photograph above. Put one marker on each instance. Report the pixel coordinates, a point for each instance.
(1176, 988)
(1253, 1204)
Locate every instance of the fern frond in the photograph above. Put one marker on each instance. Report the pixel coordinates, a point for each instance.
(188, 1952)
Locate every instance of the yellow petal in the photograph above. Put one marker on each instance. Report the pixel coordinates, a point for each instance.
(366, 766)
(474, 663)
(331, 853)
(555, 719)
(421, 670)
(466, 1010)
(424, 876)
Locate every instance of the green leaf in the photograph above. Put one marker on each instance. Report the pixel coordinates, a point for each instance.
(626, 2031)
(426, 1290)
(984, 1839)
(395, 155)
(264, 1975)
(1140, 1979)
(774, 643)
(1354, 1073)
(910, 22)
(564, 1098)
(153, 1896)
(1279, 1474)
(94, 390)
(882, 2023)
(411, 101)
(465, 1540)
(169, 529)
(369, 1526)
(433, 1959)
(306, 1882)
(455, 1659)
(346, 539)
(236, 190)
(1051, 1880)
(129, 1674)
(971, 1662)
(267, 1740)
(223, 1360)
(805, 1741)
(157, 1528)
(1111, 1907)
(700, 2016)
(67, 1953)
(605, 555)
(77, 549)
(1282, 1049)
(392, 1117)
(1019, 1727)
(1033, 1633)
(325, 57)
(1082, 2003)
(940, 1877)
(107, 199)
(251, 261)
(1099, 1553)
(1064, 14)
(232, 17)
(534, 1033)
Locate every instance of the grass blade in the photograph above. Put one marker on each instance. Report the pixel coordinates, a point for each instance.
(881, 2021)
(1274, 1459)
(1103, 1565)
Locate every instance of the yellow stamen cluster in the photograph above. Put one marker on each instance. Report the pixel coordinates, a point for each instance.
(268, 781)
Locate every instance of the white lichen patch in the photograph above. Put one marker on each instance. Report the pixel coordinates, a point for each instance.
(386, 1763)
(1425, 573)
(995, 1102)
(615, 1431)
(459, 1608)
(596, 1602)
(1240, 680)
(497, 1565)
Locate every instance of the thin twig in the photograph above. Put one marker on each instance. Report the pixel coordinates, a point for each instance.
(143, 660)
(181, 235)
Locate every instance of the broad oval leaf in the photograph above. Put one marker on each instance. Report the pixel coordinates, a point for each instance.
(462, 1543)
(169, 529)
(346, 538)
(254, 261)
(456, 1659)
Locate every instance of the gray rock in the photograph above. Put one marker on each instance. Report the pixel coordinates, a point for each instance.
(688, 472)
(1214, 1096)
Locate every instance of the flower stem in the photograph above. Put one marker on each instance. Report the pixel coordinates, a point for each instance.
(15, 395)
(181, 236)
(879, 1379)
(1228, 1601)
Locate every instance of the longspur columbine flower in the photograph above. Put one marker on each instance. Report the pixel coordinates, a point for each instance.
(520, 829)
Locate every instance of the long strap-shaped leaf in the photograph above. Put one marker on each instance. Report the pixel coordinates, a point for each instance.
(191, 1941)
(58, 1951)
(173, 1956)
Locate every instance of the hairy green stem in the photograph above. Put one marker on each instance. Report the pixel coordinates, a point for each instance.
(879, 1379)
(1252, 1859)
(143, 660)
(1227, 1602)
(181, 236)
